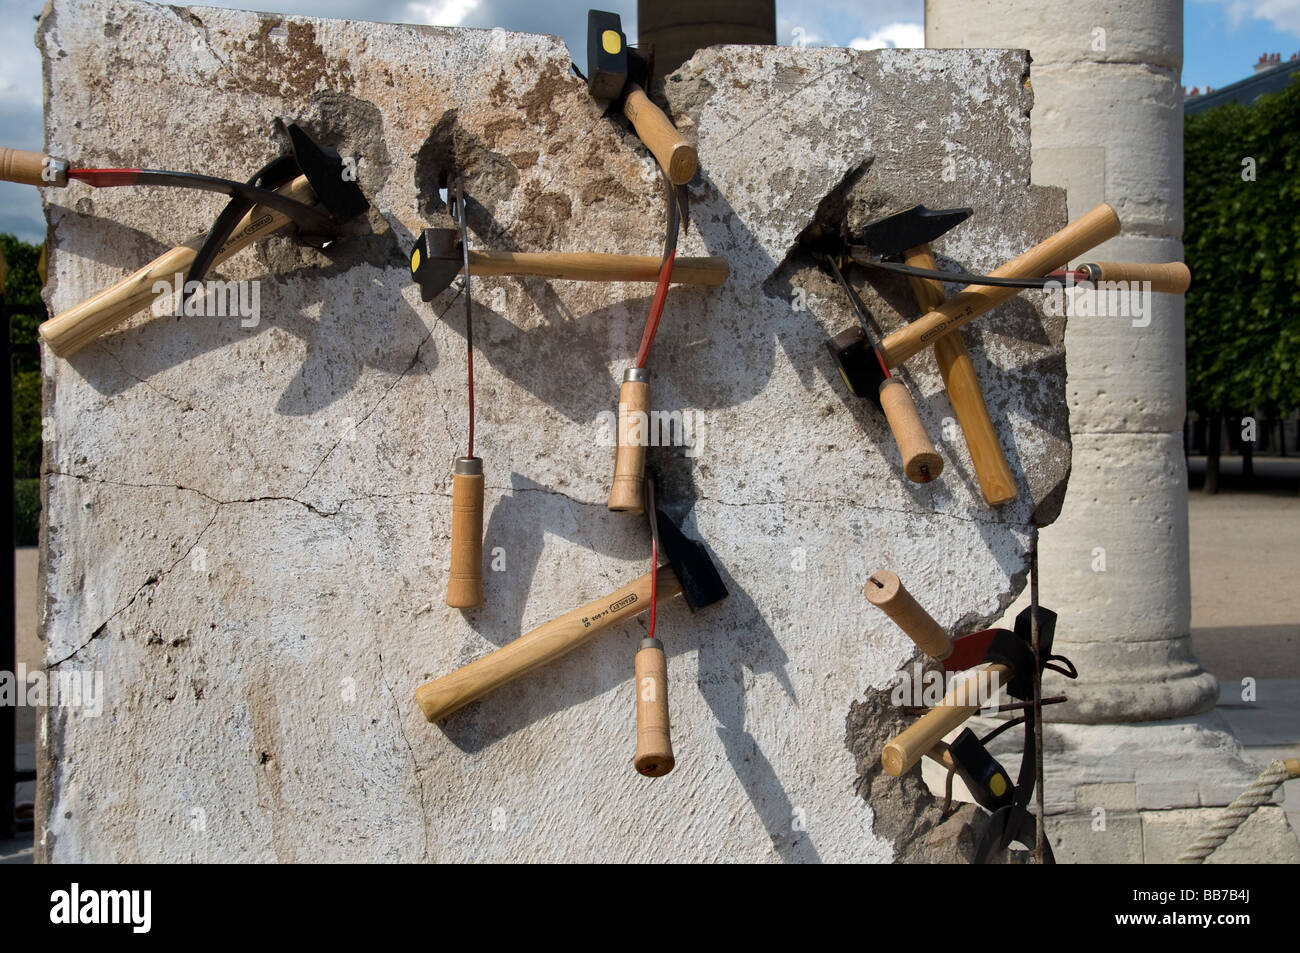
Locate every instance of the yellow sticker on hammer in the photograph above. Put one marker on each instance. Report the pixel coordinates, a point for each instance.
(415, 261)
(611, 41)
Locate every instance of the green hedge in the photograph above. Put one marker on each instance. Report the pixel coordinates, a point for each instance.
(27, 512)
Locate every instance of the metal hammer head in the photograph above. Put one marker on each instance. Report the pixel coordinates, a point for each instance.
(610, 63)
(858, 363)
(334, 183)
(918, 225)
(701, 584)
(436, 260)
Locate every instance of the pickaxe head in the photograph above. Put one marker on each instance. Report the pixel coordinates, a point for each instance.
(333, 181)
(438, 258)
(910, 228)
(701, 584)
(610, 63)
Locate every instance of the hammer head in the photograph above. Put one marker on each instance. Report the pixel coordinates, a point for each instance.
(918, 225)
(701, 584)
(610, 63)
(334, 182)
(436, 260)
(858, 363)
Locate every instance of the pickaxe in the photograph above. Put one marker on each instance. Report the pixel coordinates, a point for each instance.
(1085, 232)
(285, 191)
(617, 74)
(688, 570)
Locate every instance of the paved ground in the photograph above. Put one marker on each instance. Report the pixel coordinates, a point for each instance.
(1245, 564)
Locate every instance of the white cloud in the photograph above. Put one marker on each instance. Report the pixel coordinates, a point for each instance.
(441, 12)
(1282, 15)
(890, 36)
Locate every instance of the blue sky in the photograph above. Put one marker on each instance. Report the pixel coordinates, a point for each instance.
(1222, 39)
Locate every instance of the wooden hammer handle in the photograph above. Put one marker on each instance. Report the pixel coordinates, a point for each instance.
(465, 584)
(592, 266)
(626, 493)
(68, 332)
(997, 482)
(921, 463)
(26, 168)
(442, 696)
(912, 743)
(676, 156)
(1171, 278)
(654, 743)
(885, 591)
(1076, 238)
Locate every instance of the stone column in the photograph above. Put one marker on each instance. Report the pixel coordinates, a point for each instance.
(677, 29)
(1107, 127)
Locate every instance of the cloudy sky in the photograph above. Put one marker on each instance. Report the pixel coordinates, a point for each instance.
(1223, 40)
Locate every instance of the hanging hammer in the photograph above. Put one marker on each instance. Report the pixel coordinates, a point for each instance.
(617, 74)
(689, 570)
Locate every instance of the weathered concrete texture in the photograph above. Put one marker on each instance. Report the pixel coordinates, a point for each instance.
(246, 528)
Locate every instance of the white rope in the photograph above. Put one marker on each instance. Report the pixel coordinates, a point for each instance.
(1260, 792)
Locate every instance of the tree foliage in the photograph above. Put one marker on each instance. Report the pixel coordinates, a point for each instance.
(1242, 240)
(23, 292)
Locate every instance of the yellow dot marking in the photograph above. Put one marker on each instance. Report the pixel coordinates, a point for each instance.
(611, 41)
(415, 260)
(998, 785)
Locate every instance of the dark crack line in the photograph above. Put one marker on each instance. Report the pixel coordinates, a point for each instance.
(153, 580)
(270, 498)
(415, 763)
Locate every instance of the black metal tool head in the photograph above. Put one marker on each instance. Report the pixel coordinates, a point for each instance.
(859, 364)
(701, 584)
(333, 181)
(607, 55)
(437, 259)
(917, 225)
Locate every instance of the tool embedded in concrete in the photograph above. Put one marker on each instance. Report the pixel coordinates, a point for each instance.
(908, 234)
(627, 492)
(465, 582)
(992, 657)
(306, 188)
(864, 371)
(688, 571)
(618, 74)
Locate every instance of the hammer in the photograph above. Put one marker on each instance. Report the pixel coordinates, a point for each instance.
(306, 188)
(442, 260)
(688, 571)
(617, 74)
(909, 233)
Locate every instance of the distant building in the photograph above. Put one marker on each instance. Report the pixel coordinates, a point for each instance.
(1271, 76)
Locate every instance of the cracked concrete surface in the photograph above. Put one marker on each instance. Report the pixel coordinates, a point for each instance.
(246, 528)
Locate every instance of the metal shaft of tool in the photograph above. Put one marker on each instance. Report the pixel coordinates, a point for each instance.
(307, 217)
(458, 215)
(1038, 694)
(665, 277)
(863, 313)
(1062, 277)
